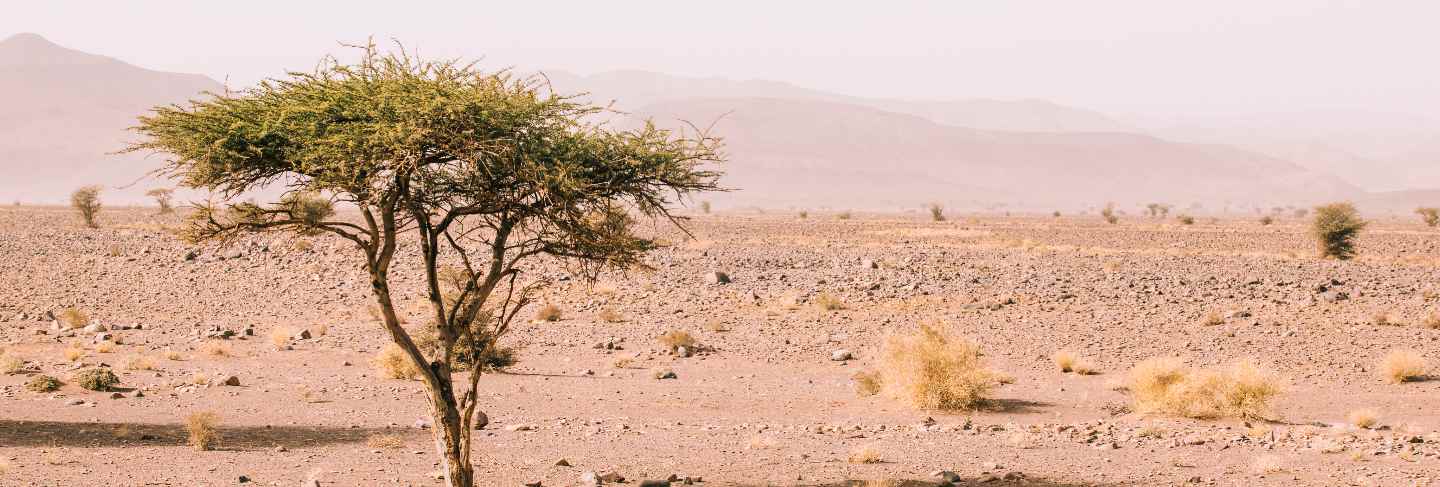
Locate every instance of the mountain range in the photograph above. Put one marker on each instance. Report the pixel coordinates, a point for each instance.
(789, 146)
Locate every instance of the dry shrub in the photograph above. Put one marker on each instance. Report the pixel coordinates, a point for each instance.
(96, 379)
(609, 315)
(73, 354)
(43, 383)
(865, 455)
(624, 363)
(1431, 321)
(1402, 366)
(393, 442)
(867, 383)
(319, 330)
(844, 215)
(1212, 319)
(1363, 418)
(139, 362)
(202, 429)
(171, 355)
(1383, 318)
(86, 200)
(932, 369)
(548, 312)
(937, 212)
(217, 348)
(1431, 216)
(393, 363)
(1069, 362)
(73, 318)
(10, 364)
(828, 302)
(1167, 386)
(280, 337)
(1108, 213)
(105, 347)
(1186, 219)
(675, 339)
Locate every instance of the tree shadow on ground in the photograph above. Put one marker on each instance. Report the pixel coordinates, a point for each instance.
(42, 434)
(1014, 406)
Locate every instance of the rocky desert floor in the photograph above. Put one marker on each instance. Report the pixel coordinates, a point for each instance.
(762, 403)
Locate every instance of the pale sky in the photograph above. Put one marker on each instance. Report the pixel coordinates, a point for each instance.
(1132, 57)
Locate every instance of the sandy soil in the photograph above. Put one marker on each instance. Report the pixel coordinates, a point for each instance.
(764, 404)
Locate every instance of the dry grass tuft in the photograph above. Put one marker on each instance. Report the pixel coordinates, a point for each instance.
(73, 354)
(1069, 362)
(1268, 464)
(624, 363)
(139, 362)
(393, 363)
(202, 429)
(609, 315)
(105, 347)
(867, 454)
(828, 302)
(1402, 366)
(171, 355)
(73, 318)
(10, 364)
(675, 339)
(1383, 318)
(867, 383)
(548, 312)
(1431, 321)
(1363, 418)
(933, 369)
(391, 442)
(1167, 386)
(1212, 319)
(280, 337)
(216, 348)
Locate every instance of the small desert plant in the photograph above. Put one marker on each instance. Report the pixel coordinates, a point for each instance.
(10, 364)
(43, 383)
(865, 455)
(937, 212)
(1212, 319)
(829, 302)
(393, 363)
(1167, 386)
(1383, 318)
(280, 337)
(73, 318)
(203, 434)
(1431, 216)
(803, 214)
(216, 348)
(867, 383)
(1186, 219)
(73, 353)
(1069, 362)
(1266, 220)
(139, 362)
(1108, 213)
(171, 355)
(932, 369)
(1363, 418)
(548, 312)
(1431, 321)
(675, 339)
(705, 207)
(609, 315)
(96, 379)
(106, 346)
(385, 442)
(162, 197)
(844, 215)
(1402, 366)
(1335, 227)
(86, 200)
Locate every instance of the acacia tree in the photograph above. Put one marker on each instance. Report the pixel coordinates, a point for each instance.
(486, 172)
(86, 200)
(162, 196)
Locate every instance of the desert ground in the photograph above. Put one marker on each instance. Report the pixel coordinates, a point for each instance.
(763, 400)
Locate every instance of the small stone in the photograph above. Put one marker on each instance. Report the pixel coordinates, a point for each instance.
(422, 424)
(717, 277)
(562, 463)
(665, 374)
(520, 427)
(868, 264)
(654, 483)
(841, 355)
(589, 478)
(75, 402)
(481, 420)
(243, 479)
(304, 335)
(231, 381)
(117, 395)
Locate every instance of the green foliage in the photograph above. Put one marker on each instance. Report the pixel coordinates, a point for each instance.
(86, 200)
(1335, 227)
(162, 197)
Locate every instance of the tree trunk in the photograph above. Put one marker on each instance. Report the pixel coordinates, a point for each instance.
(449, 443)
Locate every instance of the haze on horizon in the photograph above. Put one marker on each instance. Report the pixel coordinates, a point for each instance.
(1146, 62)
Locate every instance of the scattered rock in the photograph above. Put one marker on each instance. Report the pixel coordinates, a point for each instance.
(717, 277)
(841, 355)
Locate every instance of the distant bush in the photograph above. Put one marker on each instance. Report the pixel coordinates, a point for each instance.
(803, 214)
(844, 215)
(705, 207)
(162, 197)
(1335, 227)
(1267, 219)
(1431, 216)
(1186, 219)
(1158, 210)
(1108, 213)
(86, 200)
(937, 212)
